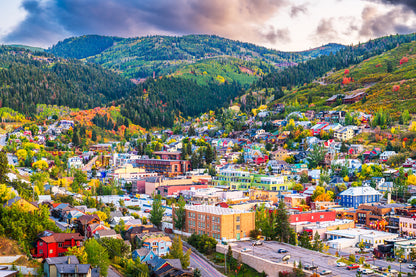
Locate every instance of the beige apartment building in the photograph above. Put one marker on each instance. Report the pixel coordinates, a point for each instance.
(219, 223)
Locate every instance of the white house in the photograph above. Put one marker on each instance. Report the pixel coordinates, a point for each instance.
(386, 155)
(75, 162)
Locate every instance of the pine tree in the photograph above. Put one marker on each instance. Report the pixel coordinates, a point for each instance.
(94, 135)
(3, 167)
(282, 223)
(209, 155)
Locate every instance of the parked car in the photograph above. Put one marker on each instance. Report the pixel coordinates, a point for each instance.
(325, 272)
(245, 250)
(257, 242)
(411, 266)
(310, 267)
(340, 264)
(367, 271)
(353, 266)
(281, 250)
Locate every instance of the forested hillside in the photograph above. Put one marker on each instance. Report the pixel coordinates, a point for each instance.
(388, 80)
(30, 78)
(141, 56)
(159, 102)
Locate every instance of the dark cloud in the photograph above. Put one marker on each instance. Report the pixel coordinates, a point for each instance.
(297, 10)
(376, 23)
(49, 21)
(326, 30)
(273, 35)
(411, 4)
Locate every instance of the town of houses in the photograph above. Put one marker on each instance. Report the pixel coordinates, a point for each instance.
(343, 191)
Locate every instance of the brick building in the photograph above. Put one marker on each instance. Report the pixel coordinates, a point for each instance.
(219, 223)
(167, 168)
(174, 190)
(313, 216)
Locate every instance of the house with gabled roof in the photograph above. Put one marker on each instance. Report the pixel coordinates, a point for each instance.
(50, 244)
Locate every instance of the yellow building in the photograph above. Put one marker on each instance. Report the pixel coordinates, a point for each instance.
(219, 223)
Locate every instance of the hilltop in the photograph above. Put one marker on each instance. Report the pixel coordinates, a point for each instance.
(198, 57)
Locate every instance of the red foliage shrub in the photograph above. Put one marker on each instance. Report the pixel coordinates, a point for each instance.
(404, 60)
(347, 71)
(396, 88)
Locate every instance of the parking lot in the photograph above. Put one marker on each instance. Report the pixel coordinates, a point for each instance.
(269, 251)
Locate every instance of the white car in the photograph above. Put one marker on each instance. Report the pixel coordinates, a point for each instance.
(325, 272)
(411, 266)
(341, 264)
(245, 250)
(368, 271)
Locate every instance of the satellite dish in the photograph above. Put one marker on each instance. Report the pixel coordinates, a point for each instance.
(286, 258)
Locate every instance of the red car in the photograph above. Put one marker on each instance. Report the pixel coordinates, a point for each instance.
(353, 266)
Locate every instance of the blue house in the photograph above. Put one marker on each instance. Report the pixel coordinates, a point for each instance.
(143, 255)
(355, 196)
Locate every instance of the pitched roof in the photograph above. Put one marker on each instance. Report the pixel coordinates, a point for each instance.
(62, 260)
(87, 218)
(73, 268)
(357, 191)
(142, 251)
(61, 237)
(176, 263)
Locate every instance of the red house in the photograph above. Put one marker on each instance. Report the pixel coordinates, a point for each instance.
(174, 190)
(313, 216)
(50, 244)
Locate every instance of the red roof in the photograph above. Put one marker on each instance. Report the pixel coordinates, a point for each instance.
(61, 237)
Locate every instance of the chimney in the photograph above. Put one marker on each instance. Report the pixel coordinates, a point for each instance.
(69, 260)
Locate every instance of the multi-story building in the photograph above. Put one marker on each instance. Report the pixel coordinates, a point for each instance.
(168, 168)
(219, 223)
(160, 245)
(75, 162)
(50, 244)
(355, 196)
(236, 179)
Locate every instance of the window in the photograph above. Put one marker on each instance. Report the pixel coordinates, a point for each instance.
(238, 227)
(238, 218)
(60, 244)
(322, 216)
(40, 251)
(40, 243)
(51, 251)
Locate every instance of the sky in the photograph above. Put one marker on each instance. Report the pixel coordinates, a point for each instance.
(287, 25)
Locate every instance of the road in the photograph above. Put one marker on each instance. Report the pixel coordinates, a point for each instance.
(206, 269)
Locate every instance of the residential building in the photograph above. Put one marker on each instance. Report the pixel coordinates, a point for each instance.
(386, 155)
(50, 244)
(220, 223)
(355, 196)
(160, 245)
(407, 246)
(344, 134)
(176, 189)
(168, 168)
(236, 179)
(129, 172)
(75, 162)
(312, 216)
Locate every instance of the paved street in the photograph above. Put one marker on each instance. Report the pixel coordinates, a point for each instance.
(206, 269)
